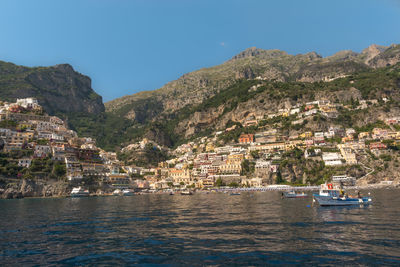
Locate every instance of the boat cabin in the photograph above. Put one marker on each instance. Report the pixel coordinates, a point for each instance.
(329, 190)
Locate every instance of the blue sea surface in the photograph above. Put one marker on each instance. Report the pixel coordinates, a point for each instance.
(203, 229)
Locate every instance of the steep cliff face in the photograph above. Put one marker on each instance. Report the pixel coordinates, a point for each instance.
(59, 89)
(388, 57)
(29, 188)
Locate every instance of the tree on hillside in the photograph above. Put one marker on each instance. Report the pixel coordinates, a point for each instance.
(219, 182)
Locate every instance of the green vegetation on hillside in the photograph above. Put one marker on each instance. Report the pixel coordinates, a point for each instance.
(111, 129)
(59, 89)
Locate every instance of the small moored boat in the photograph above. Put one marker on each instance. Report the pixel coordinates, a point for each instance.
(128, 192)
(186, 192)
(117, 192)
(330, 195)
(79, 192)
(293, 194)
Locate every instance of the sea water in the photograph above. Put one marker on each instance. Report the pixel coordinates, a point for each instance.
(254, 228)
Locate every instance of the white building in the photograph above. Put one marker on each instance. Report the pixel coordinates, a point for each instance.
(332, 158)
(311, 112)
(343, 179)
(44, 135)
(28, 102)
(57, 137)
(25, 162)
(294, 111)
(350, 131)
(262, 165)
(224, 149)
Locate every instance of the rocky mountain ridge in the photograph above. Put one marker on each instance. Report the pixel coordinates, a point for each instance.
(193, 92)
(202, 100)
(253, 63)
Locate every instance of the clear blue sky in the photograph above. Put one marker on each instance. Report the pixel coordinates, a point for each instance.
(130, 46)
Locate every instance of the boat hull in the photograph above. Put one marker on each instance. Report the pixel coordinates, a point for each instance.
(295, 196)
(331, 201)
(79, 195)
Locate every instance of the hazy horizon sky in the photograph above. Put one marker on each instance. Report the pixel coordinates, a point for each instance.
(131, 46)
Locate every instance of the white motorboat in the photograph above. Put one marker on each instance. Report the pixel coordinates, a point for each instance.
(186, 192)
(79, 192)
(117, 192)
(128, 192)
(330, 195)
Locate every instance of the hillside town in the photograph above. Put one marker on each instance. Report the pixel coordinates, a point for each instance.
(35, 144)
(257, 159)
(35, 141)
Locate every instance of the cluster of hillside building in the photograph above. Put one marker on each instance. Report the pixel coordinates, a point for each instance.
(302, 111)
(25, 127)
(263, 151)
(249, 161)
(203, 163)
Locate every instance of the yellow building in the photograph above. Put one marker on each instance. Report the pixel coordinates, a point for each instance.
(347, 139)
(233, 164)
(348, 155)
(234, 157)
(295, 143)
(163, 164)
(231, 167)
(328, 108)
(393, 135)
(269, 147)
(118, 178)
(17, 139)
(178, 176)
(210, 147)
(363, 135)
(306, 135)
(205, 182)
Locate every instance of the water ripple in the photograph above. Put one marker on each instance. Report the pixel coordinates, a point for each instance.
(214, 229)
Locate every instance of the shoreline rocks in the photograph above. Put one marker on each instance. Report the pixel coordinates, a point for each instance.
(31, 188)
(14, 189)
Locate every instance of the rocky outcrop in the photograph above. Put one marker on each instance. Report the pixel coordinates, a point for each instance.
(12, 188)
(293, 173)
(246, 73)
(59, 89)
(31, 188)
(158, 136)
(372, 51)
(388, 57)
(256, 52)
